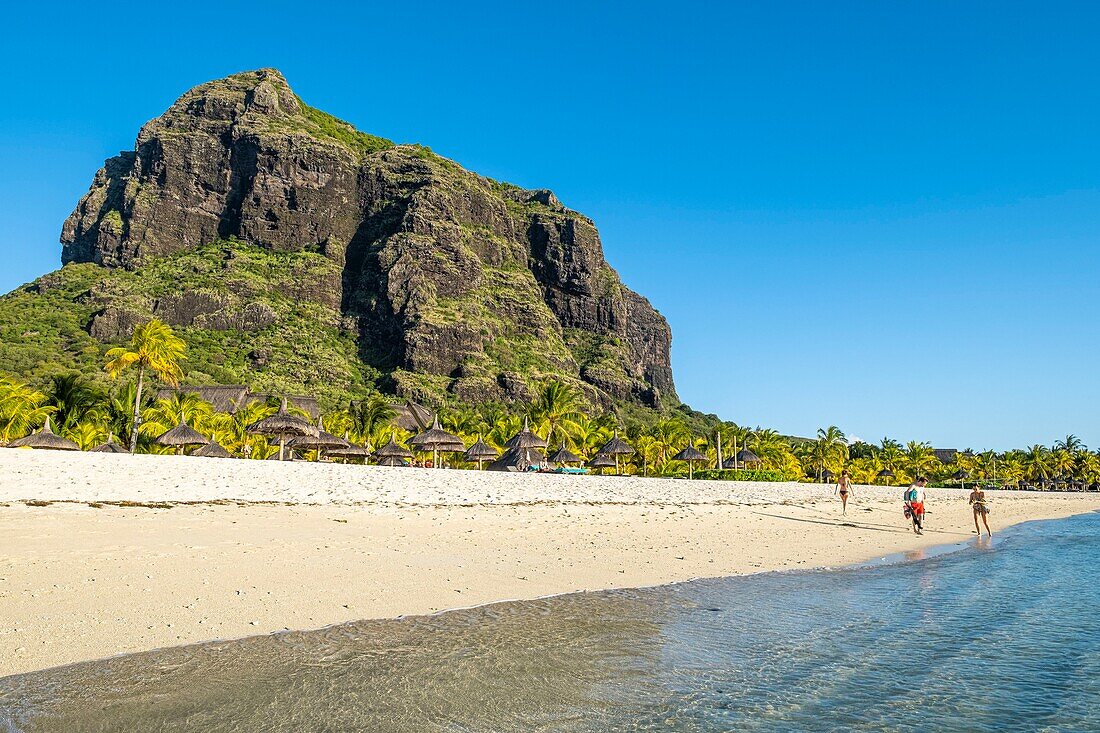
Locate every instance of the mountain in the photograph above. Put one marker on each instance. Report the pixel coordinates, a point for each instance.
(296, 253)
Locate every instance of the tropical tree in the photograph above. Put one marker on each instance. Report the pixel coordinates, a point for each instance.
(555, 411)
(1069, 443)
(1036, 460)
(22, 408)
(73, 398)
(920, 459)
(1063, 462)
(153, 348)
(829, 449)
(181, 407)
(369, 414)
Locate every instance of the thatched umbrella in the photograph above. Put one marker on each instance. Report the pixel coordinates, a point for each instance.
(602, 460)
(690, 455)
(480, 451)
(745, 456)
(320, 441)
(181, 436)
(885, 473)
(110, 446)
(525, 439)
(44, 439)
(391, 454)
(352, 450)
(282, 425)
(564, 455)
(437, 439)
(211, 450)
(827, 476)
(961, 476)
(616, 447)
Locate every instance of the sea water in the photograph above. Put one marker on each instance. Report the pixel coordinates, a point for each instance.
(998, 636)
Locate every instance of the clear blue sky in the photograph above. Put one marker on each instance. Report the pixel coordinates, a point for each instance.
(883, 216)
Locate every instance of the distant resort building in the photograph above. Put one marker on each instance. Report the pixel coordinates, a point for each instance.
(946, 455)
(410, 416)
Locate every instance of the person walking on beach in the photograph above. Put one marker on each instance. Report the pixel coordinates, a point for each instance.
(914, 503)
(844, 488)
(981, 509)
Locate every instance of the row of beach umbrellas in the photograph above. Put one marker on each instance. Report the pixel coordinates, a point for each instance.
(295, 432)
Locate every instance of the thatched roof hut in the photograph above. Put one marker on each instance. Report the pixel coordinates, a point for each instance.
(44, 439)
(224, 398)
(437, 440)
(480, 451)
(320, 442)
(745, 457)
(690, 454)
(616, 447)
(392, 454)
(182, 435)
(282, 425)
(351, 451)
(602, 460)
(525, 438)
(518, 459)
(110, 446)
(211, 450)
(412, 417)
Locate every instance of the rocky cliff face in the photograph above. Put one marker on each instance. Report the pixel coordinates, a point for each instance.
(446, 279)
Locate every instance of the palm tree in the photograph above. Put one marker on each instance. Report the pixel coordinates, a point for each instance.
(180, 407)
(1070, 443)
(73, 398)
(830, 447)
(555, 411)
(919, 459)
(1036, 461)
(1063, 462)
(153, 347)
(369, 414)
(22, 408)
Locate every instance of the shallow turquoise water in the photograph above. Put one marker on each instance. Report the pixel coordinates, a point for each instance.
(991, 638)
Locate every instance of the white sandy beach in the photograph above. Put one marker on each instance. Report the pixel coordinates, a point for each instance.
(105, 554)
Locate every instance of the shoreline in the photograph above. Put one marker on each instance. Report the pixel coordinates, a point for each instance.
(82, 578)
(897, 558)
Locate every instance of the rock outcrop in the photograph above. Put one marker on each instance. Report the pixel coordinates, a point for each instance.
(447, 279)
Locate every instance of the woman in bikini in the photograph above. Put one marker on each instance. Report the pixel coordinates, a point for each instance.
(981, 509)
(844, 487)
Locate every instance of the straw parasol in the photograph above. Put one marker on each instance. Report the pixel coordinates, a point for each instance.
(110, 446)
(827, 476)
(745, 456)
(211, 450)
(564, 455)
(44, 439)
(480, 451)
(885, 473)
(391, 454)
(437, 439)
(602, 460)
(352, 450)
(525, 438)
(282, 425)
(320, 441)
(690, 454)
(961, 476)
(616, 447)
(180, 436)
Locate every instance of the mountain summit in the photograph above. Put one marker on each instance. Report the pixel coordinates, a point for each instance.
(244, 211)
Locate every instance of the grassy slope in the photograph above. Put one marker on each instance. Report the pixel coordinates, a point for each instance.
(43, 325)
